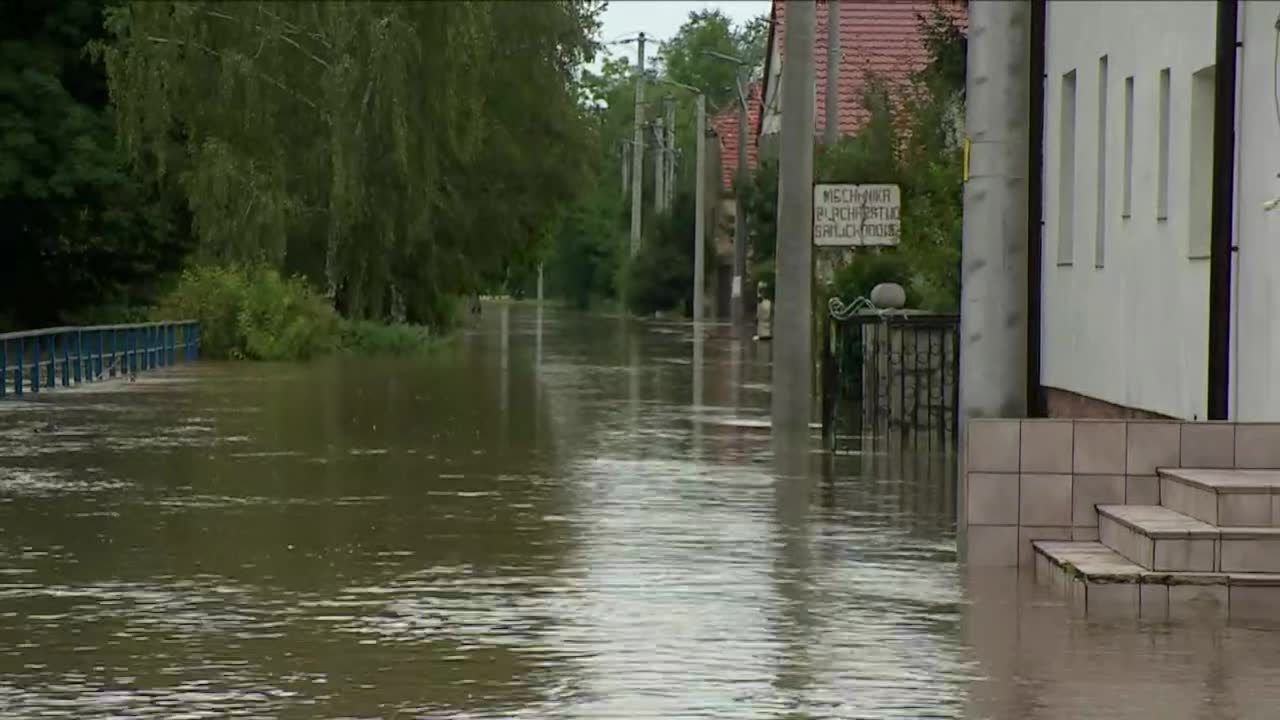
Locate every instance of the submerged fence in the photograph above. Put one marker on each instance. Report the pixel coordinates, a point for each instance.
(891, 373)
(35, 360)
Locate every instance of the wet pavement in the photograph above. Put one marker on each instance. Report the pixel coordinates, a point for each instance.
(554, 516)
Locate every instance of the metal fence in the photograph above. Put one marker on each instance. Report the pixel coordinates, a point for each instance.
(891, 373)
(35, 360)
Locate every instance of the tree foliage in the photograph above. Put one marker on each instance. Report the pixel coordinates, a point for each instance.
(591, 246)
(393, 154)
(659, 277)
(82, 232)
(913, 138)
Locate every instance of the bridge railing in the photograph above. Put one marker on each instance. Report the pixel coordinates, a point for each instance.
(35, 360)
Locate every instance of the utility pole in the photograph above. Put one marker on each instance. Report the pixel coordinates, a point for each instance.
(659, 171)
(637, 149)
(993, 287)
(737, 308)
(624, 155)
(831, 133)
(699, 216)
(671, 153)
(699, 191)
(793, 334)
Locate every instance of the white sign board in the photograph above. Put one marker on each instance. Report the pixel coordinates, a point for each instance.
(850, 215)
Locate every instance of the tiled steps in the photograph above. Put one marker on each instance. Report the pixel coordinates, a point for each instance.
(1226, 498)
(1161, 539)
(1098, 581)
(1211, 545)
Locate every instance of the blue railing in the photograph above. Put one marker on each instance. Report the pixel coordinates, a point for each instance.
(38, 360)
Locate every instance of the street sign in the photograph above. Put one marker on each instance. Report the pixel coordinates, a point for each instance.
(852, 215)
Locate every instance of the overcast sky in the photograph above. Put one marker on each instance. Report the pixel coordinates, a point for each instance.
(659, 19)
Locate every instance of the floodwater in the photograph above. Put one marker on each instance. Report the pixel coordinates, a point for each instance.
(555, 516)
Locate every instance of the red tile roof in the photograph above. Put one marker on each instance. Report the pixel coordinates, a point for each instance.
(725, 124)
(880, 38)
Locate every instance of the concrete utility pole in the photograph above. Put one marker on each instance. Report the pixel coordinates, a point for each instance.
(699, 190)
(832, 131)
(624, 154)
(700, 212)
(793, 335)
(993, 281)
(671, 153)
(659, 168)
(737, 307)
(637, 150)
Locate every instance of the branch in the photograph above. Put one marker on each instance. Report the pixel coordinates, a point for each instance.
(260, 75)
(314, 36)
(264, 31)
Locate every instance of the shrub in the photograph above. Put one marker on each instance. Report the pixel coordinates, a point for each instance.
(283, 319)
(856, 279)
(373, 338)
(255, 313)
(660, 275)
(213, 296)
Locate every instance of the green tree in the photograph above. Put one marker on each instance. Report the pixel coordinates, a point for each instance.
(913, 138)
(82, 231)
(389, 152)
(653, 279)
(659, 277)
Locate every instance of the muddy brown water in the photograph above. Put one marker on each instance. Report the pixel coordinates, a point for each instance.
(555, 516)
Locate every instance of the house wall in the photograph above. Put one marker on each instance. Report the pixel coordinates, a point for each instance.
(1256, 296)
(1125, 321)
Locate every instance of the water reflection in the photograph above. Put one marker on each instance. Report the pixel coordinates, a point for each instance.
(555, 516)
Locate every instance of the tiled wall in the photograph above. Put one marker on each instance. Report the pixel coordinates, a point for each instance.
(1039, 479)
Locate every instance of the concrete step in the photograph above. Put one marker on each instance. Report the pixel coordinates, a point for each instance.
(1097, 581)
(1157, 538)
(1226, 498)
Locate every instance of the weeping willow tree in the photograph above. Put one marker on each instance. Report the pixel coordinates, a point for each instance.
(392, 153)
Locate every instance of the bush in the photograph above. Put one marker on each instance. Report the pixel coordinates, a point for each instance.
(373, 338)
(283, 319)
(213, 296)
(660, 276)
(256, 314)
(867, 270)
(252, 313)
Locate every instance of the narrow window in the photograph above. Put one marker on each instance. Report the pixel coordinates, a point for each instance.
(1067, 168)
(1200, 186)
(1100, 238)
(1126, 200)
(1162, 151)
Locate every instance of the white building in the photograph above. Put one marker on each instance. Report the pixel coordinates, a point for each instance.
(1128, 211)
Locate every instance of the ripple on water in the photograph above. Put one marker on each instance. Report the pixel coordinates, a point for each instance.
(493, 533)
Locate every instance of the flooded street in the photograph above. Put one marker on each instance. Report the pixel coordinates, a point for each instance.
(553, 516)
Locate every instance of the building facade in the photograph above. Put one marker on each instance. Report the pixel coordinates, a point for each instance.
(1131, 103)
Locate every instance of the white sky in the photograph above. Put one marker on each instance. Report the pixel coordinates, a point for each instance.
(659, 19)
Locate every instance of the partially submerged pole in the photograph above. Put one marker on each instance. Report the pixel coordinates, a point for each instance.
(793, 333)
(993, 298)
(637, 150)
(699, 219)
